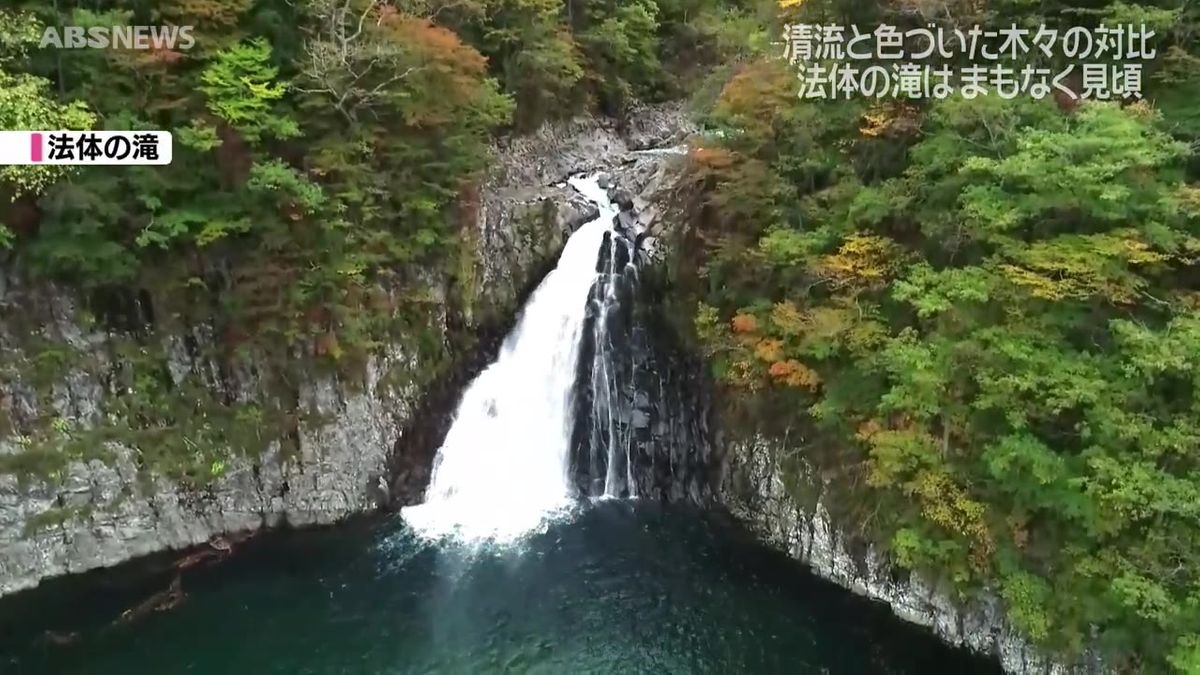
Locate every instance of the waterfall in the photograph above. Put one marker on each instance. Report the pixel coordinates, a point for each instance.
(604, 445)
(504, 466)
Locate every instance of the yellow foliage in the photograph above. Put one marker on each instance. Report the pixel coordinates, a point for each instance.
(947, 505)
(897, 449)
(1188, 198)
(769, 350)
(864, 259)
(1139, 252)
(1060, 285)
(1189, 253)
(1039, 286)
(893, 118)
(873, 124)
(1081, 268)
(787, 318)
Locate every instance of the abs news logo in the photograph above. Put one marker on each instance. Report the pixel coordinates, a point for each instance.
(118, 37)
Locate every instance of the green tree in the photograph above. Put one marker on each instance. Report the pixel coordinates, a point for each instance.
(26, 102)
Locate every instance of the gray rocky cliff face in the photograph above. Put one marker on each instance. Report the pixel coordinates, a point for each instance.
(643, 415)
(643, 410)
(97, 502)
(525, 210)
(756, 491)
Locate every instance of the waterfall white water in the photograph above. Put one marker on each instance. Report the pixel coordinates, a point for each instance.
(503, 467)
(610, 381)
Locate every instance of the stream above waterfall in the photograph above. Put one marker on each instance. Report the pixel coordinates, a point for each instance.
(624, 587)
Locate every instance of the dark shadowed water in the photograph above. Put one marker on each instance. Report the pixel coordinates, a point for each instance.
(620, 589)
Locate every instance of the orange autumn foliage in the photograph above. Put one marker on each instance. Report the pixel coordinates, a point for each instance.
(795, 374)
(744, 323)
(759, 98)
(438, 56)
(712, 158)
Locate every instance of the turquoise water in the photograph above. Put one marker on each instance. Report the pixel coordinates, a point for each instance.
(618, 589)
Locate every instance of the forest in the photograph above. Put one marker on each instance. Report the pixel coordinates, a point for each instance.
(979, 320)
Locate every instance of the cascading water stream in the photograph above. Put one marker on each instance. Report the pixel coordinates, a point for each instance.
(609, 370)
(504, 465)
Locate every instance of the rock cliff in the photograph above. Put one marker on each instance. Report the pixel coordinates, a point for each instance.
(757, 491)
